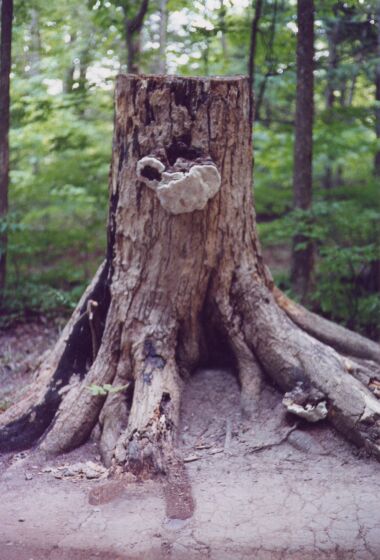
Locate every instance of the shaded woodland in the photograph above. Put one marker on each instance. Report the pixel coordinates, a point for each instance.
(319, 223)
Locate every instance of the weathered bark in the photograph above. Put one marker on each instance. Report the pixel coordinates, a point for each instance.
(303, 250)
(5, 71)
(183, 285)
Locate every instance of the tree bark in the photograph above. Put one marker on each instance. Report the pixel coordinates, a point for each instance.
(5, 71)
(183, 285)
(303, 251)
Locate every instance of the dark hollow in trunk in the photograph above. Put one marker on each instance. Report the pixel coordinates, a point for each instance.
(184, 284)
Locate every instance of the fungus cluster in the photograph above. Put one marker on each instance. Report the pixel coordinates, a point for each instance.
(180, 192)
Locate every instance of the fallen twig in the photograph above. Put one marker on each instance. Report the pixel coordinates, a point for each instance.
(264, 446)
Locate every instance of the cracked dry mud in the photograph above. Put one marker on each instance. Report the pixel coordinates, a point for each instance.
(242, 495)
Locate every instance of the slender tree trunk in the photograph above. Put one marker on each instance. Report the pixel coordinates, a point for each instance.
(184, 285)
(270, 61)
(330, 94)
(132, 41)
(352, 88)
(223, 31)
(5, 70)
(303, 251)
(163, 36)
(377, 97)
(133, 27)
(252, 46)
(68, 80)
(35, 44)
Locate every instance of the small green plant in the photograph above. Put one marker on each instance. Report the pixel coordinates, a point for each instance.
(31, 300)
(102, 390)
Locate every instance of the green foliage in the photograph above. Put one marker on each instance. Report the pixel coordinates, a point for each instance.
(346, 236)
(65, 58)
(32, 300)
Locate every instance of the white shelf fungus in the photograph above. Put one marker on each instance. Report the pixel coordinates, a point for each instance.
(180, 192)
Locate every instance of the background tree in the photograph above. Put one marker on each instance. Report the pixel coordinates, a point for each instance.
(303, 250)
(57, 199)
(163, 36)
(133, 25)
(377, 95)
(5, 70)
(253, 42)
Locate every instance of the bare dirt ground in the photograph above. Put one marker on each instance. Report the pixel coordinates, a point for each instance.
(249, 489)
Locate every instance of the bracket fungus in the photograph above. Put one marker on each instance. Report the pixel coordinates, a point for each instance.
(307, 411)
(180, 192)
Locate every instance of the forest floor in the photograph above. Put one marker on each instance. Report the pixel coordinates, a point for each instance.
(248, 490)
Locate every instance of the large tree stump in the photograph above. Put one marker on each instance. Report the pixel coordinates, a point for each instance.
(184, 284)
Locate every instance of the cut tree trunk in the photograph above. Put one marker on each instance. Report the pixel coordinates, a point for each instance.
(184, 285)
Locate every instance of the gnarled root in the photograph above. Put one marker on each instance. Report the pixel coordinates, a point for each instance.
(147, 444)
(138, 418)
(294, 359)
(26, 421)
(343, 340)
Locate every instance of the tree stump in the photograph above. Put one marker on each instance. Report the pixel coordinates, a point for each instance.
(184, 284)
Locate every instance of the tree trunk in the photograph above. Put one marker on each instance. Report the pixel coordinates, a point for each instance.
(184, 285)
(223, 31)
(252, 46)
(5, 70)
(269, 61)
(377, 97)
(163, 36)
(303, 251)
(133, 26)
(34, 53)
(330, 92)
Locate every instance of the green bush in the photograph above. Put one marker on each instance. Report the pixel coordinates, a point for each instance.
(346, 237)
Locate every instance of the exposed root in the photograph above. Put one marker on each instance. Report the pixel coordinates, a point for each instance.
(147, 443)
(365, 371)
(113, 419)
(343, 340)
(26, 421)
(149, 450)
(251, 377)
(80, 409)
(290, 357)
